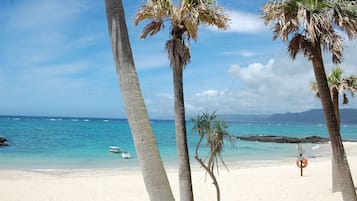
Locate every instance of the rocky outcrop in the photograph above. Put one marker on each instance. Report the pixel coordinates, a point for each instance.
(283, 139)
(3, 141)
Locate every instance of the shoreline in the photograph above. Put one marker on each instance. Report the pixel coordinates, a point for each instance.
(267, 181)
(232, 156)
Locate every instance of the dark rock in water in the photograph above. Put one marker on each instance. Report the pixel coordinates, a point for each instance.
(283, 139)
(3, 142)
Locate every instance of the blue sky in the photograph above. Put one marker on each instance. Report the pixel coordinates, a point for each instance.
(56, 60)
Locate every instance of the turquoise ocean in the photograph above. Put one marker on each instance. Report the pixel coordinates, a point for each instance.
(82, 143)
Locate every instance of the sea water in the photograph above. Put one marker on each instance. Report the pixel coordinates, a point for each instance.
(61, 143)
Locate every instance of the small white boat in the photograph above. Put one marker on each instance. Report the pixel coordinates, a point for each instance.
(125, 155)
(114, 149)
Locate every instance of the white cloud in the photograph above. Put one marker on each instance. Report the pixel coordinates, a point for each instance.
(277, 86)
(210, 93)
(243, 22)
(243, 53)
(263, 88)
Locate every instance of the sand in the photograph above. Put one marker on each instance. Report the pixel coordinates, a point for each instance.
(279, 181)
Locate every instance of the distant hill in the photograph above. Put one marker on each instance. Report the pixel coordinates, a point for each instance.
(313, 116)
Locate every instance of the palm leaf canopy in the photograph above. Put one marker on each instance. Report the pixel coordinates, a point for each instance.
(217, 137)
(335, 78)
(350, 84)
(306, 23)
(337, 81)
(187, 17)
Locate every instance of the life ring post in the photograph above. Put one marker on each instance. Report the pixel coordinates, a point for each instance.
(301, 174)
(301, 162)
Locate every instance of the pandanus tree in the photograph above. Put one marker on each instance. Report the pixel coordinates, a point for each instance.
(154, 174)
(309, 27)
(216, 134)
(185, 20)
(338, 84)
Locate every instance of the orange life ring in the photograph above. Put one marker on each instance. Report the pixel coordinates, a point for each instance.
(301, 163)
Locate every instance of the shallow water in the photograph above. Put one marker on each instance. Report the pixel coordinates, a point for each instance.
(60, 143)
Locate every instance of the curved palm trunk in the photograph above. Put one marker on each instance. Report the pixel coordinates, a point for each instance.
(186, 193)
(155, 178)
(336, 181)
(335, 101)
(338, 152)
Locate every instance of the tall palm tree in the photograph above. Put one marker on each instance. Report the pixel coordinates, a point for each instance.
(184, 21)
(338, 85)
(154, 174)
(308, 26)
(216, 134)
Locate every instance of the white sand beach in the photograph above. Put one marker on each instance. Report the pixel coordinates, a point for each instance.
(277, 181)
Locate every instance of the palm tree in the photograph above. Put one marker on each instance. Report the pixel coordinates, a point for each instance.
(216, 134)
(308, 26)
(338, 85)
(185, 21)
(154, 174)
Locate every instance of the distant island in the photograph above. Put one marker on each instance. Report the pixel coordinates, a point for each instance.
(348, 116)
(311, 116)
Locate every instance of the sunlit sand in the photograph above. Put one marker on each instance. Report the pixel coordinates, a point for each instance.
(279, 181)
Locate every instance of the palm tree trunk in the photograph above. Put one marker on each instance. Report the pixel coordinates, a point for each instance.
(335, 101)
(338, 152)
(186, 193)
(155, 178)
(336, 179)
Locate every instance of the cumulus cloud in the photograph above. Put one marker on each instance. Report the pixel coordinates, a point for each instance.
(243, 22)
(264, 88)
(277, 86)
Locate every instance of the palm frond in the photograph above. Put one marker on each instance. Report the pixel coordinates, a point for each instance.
(216, 134)
(179, 54)
(345, 17)
(350, 84)
(193, 13)
(152, 28)
(345, 99)
(335, 77)
(315, 89)
(299, 43)
(315, 20)
(154, 10)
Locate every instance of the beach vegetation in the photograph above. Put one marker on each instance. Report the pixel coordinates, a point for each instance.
(154, 174)
(215, 133)
(184, 19)
(311, 27)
